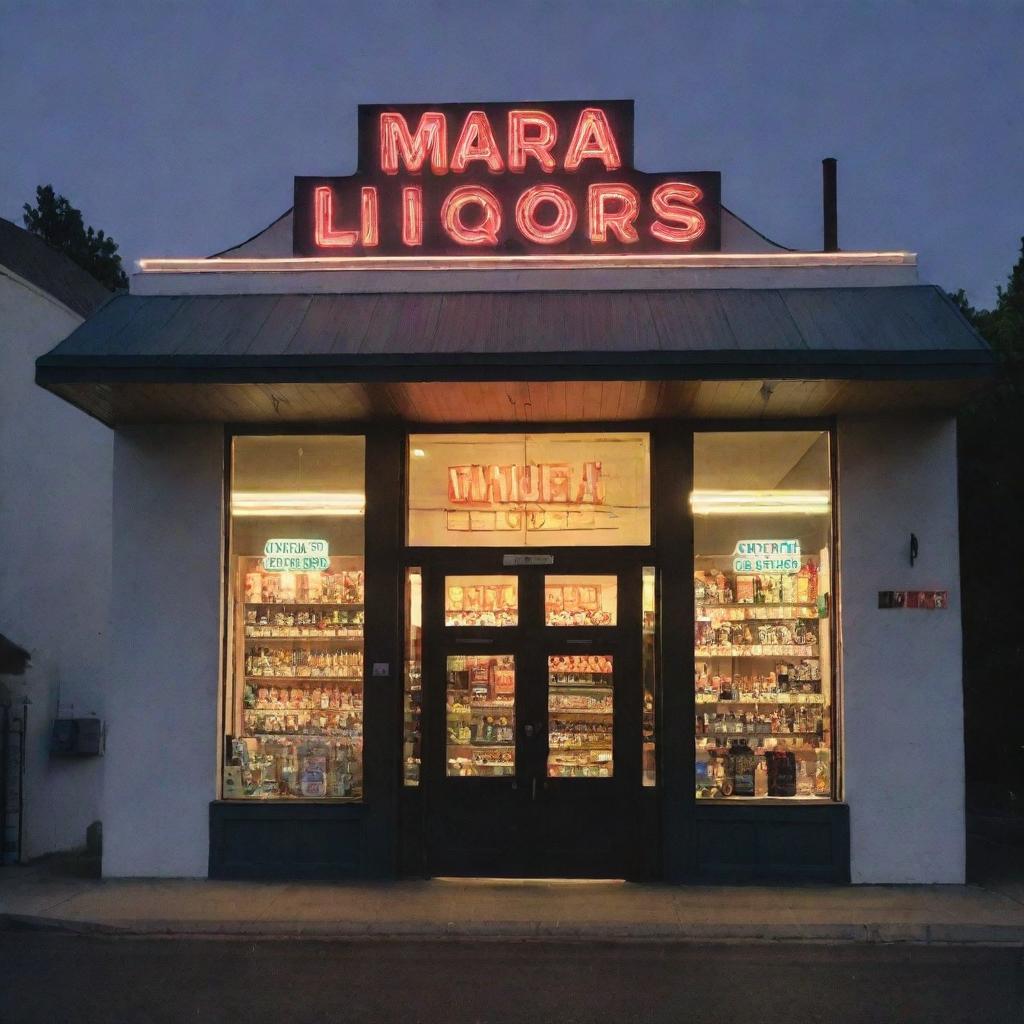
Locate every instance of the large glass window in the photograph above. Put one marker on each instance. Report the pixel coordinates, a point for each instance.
(581, 708)
(762, 507)
(293, 712)
(480, 712)
(650, 658)
(412, 677)
(481, 600)
(581, 600)
(510, 490)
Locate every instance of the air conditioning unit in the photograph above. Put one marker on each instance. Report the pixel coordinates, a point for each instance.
(78, 737)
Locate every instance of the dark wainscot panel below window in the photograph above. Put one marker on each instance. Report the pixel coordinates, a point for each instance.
(267, 839)
(764, 843)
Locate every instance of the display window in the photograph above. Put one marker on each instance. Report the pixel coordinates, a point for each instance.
(763, 678)
(581, 710)
(412, 678)
(294, 700)
(512, 490)
(480, 713)
(481, 601)
(650, 660)
(581, 600)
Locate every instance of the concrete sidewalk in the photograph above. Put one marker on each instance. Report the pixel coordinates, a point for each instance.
(453, 908)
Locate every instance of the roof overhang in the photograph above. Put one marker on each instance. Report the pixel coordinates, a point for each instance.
(486, 357)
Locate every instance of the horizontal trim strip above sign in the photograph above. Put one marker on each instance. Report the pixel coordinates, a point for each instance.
(279, 265)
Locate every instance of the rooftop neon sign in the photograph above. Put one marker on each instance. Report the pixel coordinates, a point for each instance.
(504, 179)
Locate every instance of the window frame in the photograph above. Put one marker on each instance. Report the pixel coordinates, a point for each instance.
(836, 704)
(232, 431)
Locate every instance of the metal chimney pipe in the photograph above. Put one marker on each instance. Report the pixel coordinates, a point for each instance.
(830, 209)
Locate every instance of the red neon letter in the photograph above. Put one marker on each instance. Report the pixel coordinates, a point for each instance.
(621, 220)
(395, 142)
(484, 233)
(412, 215)
(539, 145)
(370, 220)
(326, 235)
(565, 214)
(476, 142)
(329, 237)
(593, 139)
(673, 202)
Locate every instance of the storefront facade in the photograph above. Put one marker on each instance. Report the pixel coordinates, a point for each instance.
(415, 545)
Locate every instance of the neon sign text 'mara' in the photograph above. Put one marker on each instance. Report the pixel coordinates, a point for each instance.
(503, 179)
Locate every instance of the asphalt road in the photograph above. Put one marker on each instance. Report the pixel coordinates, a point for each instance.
(50, 978)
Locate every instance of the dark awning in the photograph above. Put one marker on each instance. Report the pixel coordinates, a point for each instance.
(529, 355)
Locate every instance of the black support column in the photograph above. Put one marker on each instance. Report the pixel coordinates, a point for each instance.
(673, 534)
(382, 702)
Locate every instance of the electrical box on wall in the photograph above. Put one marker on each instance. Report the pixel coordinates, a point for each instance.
(77, 737)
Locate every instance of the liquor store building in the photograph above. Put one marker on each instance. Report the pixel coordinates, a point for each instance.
(414, 550)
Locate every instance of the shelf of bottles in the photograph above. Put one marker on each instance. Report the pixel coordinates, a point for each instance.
(763, 720)
(580, 716)
(301, 662)
(480, 714)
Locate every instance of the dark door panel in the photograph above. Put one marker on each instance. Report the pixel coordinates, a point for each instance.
(537, 775)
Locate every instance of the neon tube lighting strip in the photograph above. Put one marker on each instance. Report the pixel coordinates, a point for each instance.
(297, 503)
(759, 503)
(221, 265)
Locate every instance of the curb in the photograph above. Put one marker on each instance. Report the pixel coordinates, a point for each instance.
(867, 933)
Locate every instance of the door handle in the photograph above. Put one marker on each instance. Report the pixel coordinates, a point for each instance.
(529, 730)
(533, 789)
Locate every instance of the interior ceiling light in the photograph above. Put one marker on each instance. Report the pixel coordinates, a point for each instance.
(759, 503)
(297, 503)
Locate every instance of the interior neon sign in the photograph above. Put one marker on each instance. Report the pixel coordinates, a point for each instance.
(295, 554)
(755, 556)
(505, 179)
(544, 483)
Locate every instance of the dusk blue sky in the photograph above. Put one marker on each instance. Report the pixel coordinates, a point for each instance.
(178, 127)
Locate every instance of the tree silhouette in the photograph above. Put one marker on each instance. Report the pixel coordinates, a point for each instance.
(60, 225)
(991, 438)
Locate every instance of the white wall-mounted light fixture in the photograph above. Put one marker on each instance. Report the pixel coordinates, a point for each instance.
(759, 503)
(298, 503)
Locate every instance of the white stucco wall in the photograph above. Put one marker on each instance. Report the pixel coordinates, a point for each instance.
(55, 509)
(166, 620)
(902, 670)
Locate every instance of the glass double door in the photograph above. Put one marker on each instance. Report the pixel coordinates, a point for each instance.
(532, 713)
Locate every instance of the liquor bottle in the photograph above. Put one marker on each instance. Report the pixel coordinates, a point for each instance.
(761, 778)
(822, 773)
(804, 779)
(781, 773)
(743, 764)
(803, 584)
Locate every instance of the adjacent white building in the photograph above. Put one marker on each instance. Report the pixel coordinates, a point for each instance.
(55, 510)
